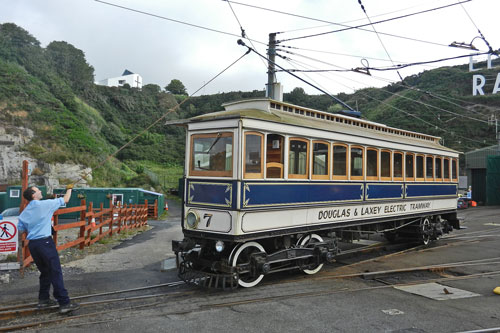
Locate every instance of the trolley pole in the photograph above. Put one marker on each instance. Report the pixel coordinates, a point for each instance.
(271, 70)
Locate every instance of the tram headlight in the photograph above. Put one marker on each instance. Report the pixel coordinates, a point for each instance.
(219, 246)
(192, 219)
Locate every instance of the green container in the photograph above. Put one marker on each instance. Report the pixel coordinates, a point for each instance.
(15, 193)
(3, 197)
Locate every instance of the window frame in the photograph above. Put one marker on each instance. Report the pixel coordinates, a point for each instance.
(456, 170)
(328, 160)
(390, 164)
(228, 173)
(447, 160)
(347, 157)
(377, 162)
(294, 175)
(420, 179)
(362, 177)
(440, 178)
(394, 153)
(428, 179)
(406, 178)
(253, 175)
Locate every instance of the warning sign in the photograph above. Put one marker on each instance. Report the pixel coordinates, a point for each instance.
(8, 237)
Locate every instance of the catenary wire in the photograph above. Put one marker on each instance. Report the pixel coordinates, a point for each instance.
(243, 32)
(378, 36)
(173, 20)
(334, 23)
(376, 22)
(384, 102)
(240, 42)
(420, 102)
(162, 117)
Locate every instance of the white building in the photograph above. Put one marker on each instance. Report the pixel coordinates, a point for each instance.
(133, 80)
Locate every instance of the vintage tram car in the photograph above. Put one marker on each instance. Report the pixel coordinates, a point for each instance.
(271, 186)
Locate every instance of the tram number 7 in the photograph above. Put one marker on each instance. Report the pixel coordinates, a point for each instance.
(208, 217)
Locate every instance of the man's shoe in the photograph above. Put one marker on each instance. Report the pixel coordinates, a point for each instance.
(67, 308)
(46, 303)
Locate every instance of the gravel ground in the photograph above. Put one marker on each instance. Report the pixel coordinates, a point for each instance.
(131, 249)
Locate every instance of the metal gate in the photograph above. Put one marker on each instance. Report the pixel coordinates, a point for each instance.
(493, 180)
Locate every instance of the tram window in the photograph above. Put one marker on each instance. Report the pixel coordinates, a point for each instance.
(429, 171)
(409, 165)
(253, 155)
(212, 154)
(371, 164)
(438, 168)
(274, 156)
(398, 166)
(454, 169)
(420, 167)
(446, 169)
(339, 162)
(356, 163)
(297, 158)
(321, 158)
(385, 165)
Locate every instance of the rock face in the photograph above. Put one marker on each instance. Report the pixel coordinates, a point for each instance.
(12, 139)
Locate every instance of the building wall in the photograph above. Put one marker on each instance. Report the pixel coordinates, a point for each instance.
(133, 80)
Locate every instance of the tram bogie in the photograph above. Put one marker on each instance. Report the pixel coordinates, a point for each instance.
(271, 186)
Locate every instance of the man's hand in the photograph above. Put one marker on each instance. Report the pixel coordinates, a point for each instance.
(69, 186)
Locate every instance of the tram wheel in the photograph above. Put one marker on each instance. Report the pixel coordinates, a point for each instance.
(306, 241)
(241, 255)
(425, 230)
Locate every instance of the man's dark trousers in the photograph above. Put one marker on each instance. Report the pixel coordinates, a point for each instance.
(44, 254)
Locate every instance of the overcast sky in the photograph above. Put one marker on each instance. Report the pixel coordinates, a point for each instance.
(114, 39)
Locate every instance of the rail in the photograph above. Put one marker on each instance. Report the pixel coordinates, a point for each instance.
(108, 221)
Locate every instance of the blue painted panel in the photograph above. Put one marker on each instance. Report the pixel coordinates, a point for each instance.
(428, 190)
(282, 194)
(218, 194)
(384, 191)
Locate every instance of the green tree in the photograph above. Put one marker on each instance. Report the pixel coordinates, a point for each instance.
(176, 87)
(69, 62)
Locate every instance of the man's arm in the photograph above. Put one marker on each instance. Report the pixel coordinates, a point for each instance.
(67, 195)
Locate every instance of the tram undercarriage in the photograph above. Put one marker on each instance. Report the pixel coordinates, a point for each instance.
(245, 263)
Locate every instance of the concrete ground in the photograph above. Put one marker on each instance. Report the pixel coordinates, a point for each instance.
(327, 305)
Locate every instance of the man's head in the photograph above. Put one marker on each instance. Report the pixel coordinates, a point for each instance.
(32, 193)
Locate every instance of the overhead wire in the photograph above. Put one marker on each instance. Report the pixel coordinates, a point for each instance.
(335, 23)
(341, 69)
(240, 42)
(403, 111)
(161, 118)
(378, 36)
(173, 20)
(376, 22)
(479, 31)
(428, 105)
(396, 67)
(243, 32)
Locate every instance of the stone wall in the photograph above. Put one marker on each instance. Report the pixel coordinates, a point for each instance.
(12, 139)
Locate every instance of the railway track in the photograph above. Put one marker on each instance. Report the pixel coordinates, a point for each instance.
(22, 316)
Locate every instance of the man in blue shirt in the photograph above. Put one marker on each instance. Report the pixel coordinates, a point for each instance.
(36, 221)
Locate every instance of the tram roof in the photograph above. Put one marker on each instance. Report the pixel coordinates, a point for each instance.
(286, 113)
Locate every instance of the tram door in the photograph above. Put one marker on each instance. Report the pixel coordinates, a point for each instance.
(274, 156)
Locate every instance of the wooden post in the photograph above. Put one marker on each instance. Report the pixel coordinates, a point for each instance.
(89, 224)
(156, 209)
(56, 222)
(24, 202)
(82, 228)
